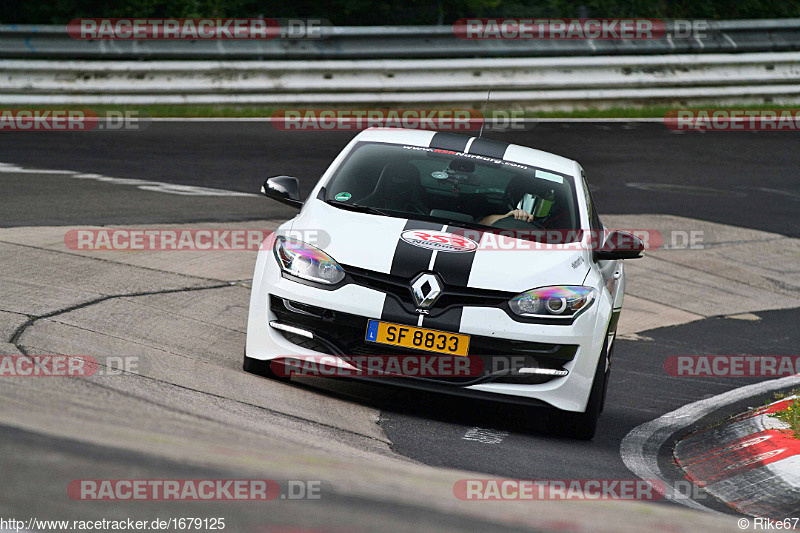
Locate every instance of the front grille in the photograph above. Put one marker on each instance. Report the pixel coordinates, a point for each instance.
(343, 334)
(451, 296)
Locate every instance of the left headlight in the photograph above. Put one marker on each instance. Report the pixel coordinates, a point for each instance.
(307, 262)
(562, 301)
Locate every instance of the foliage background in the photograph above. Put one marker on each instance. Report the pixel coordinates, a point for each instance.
(377, 12)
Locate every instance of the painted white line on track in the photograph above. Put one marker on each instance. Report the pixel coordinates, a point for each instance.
(8, 167)
(485, 436)
(792, 195)
(144, 185)
(640, 447)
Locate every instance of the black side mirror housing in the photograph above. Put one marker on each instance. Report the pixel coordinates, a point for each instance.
(620, 245)
(284, 189)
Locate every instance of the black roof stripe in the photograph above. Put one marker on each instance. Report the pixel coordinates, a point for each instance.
(449, 141)
(488, 148)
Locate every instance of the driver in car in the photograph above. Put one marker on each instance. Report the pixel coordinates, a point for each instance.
(519, 214)
(525, 203)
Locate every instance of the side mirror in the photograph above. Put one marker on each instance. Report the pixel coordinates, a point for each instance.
(284, 189)
(620, 245)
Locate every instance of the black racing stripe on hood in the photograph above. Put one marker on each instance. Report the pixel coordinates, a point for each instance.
(408, 261)
(450, 320)
(393, 311)
(449, 141)
(488, 148)
(454, 269)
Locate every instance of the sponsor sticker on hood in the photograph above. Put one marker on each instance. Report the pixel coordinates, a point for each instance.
(439, 241)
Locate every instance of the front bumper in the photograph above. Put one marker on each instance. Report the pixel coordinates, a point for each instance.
(574, 348)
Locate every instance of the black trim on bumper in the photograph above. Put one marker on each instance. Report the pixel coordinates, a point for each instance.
(342, 334)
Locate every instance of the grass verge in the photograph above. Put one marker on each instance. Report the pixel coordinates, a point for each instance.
(790, 415)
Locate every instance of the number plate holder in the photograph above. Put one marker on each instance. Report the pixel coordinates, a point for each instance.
(416, 338)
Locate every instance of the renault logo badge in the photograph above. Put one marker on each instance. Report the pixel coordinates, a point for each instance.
(426, 288)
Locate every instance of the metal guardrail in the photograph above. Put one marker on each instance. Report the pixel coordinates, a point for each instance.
(53, 42)
(736, 61)
(515, 82)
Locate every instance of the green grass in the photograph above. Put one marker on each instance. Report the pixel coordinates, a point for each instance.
(247, 111)
(642, 112)
(791, 415)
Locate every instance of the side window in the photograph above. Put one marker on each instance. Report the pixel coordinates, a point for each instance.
(594, 218)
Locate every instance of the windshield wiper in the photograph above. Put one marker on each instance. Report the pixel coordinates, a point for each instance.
(358, 208)
(375, 211)
(463, 224)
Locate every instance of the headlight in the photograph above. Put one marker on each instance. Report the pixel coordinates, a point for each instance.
(307, 262)
(562, 301)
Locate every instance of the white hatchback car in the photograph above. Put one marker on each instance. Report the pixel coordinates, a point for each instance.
(417, 242)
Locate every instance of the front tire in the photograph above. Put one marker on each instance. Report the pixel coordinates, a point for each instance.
(583, 425)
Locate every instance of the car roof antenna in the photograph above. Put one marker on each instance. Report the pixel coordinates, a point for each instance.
(485, 108)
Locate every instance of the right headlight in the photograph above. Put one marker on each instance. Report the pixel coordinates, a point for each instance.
(307, 262)
(560, 301)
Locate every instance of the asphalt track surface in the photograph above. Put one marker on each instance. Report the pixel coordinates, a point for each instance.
(744, 179)
(432, 430)
(40, 467)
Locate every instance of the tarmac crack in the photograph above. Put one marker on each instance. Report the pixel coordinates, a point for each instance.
(194, 319)
(137, 343)
(15, 340)
(33, 319)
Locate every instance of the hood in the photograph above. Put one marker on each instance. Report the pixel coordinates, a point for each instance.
(462, 257)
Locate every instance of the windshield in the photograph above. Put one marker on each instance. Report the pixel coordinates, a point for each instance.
(453, 187)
